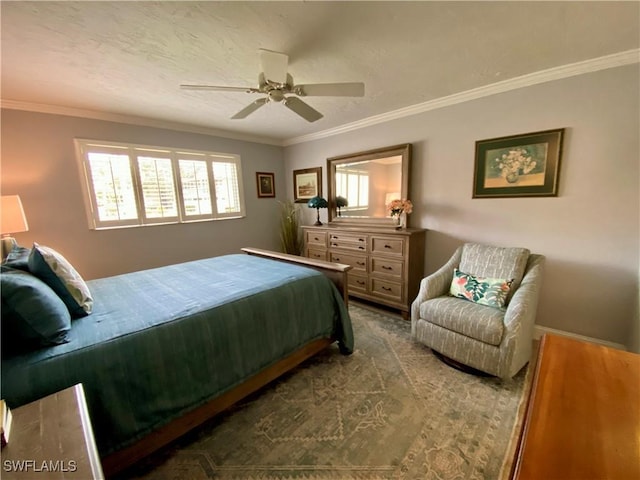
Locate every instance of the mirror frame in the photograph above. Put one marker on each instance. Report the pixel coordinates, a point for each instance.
(404, 150)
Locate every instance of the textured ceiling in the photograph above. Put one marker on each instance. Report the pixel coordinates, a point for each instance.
(129, 58)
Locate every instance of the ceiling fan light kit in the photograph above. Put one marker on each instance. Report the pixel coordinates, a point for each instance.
(275, 82)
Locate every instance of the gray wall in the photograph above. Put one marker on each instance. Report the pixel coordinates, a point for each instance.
(39, 164)
(589, 232)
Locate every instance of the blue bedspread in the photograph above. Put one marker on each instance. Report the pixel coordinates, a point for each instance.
(161, 342)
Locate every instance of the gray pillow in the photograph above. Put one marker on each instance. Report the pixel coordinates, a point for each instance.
(56, 271)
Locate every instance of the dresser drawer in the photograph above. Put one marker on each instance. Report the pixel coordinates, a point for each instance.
(357, 283)
(389, 267)
(358, 262)
(388, 289)
(316, 238)
(387, 245)
(348, 242)
(317, 253)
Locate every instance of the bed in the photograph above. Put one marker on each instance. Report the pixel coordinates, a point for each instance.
(167, 348)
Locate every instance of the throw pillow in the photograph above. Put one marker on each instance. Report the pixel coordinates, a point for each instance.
(491, 292)
(54, 270)
(495, 262)
(33, 315)
(18, 258)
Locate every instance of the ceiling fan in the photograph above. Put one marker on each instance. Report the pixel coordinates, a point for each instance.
(278, 86)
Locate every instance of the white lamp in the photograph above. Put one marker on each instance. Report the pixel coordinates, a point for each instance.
(12, 220)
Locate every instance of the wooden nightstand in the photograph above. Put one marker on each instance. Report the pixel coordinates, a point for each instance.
(52, 438)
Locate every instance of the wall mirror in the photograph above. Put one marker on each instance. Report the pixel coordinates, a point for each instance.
(362, 184)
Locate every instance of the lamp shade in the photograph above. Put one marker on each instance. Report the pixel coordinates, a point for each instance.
(12, 218)
(317, 202)
(341, 202)
(389, 197)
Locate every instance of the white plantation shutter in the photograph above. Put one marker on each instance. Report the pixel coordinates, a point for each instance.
(354, 186)
(226, 187)
(196, 190)
(158, 188)
(113, 189)
(363, 190)
(129, 185)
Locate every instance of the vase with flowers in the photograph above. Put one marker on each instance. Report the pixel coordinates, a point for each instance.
(514, 164)
(398, 210)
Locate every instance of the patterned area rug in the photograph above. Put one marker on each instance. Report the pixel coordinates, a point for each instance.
(391, 410)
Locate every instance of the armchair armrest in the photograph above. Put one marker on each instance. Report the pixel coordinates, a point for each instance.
(523, 305)
(436, 284)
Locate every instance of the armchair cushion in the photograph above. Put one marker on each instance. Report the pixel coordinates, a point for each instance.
(482, 323)
(491, 292)
(495, 262)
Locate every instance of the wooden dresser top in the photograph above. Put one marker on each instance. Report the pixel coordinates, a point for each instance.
(583, 417)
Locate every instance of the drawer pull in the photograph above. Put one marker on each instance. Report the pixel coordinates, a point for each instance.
(387, 267)
(334, 244)
(361, 247)
(360, 282)
(387, 246)
(316, 239)
(388, 289)
(360, 263)
(361, 239)
(317, 255)
(337, 259)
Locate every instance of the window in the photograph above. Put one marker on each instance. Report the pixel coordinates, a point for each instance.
(133, 185)
(354, 185)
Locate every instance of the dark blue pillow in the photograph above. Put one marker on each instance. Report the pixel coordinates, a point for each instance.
(33, 315)
(18, 258)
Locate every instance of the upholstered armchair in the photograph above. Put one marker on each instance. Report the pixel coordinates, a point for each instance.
(493, 339)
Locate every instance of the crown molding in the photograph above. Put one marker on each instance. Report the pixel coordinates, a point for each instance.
(557, 73)
(133, 120)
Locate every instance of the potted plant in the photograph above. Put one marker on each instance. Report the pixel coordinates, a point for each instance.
(290, 236)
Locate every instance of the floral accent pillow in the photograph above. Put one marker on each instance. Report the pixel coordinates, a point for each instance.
(491, 292)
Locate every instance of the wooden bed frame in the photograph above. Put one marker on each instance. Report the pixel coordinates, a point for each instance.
(120, 460)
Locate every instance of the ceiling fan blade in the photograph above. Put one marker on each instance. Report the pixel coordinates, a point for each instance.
(274, 65)
(219, 88)
(355, 89)
(302, 109)
(249, 109)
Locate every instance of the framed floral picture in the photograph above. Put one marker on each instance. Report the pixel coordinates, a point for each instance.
(524, 165)
(266, 185)
(307, 183)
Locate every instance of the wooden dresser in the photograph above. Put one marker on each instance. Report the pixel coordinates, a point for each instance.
(583, 415)
(387, 264)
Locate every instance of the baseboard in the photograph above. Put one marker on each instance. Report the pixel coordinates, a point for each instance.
(538, 331)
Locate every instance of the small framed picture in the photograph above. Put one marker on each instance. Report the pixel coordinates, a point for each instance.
(307, 183)
(266, 185)
(524, 165)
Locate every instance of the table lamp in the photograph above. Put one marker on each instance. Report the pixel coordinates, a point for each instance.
(12, 220)
(317, 203)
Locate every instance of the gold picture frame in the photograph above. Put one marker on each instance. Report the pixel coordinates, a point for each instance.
(526, 165)
(307, 183)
